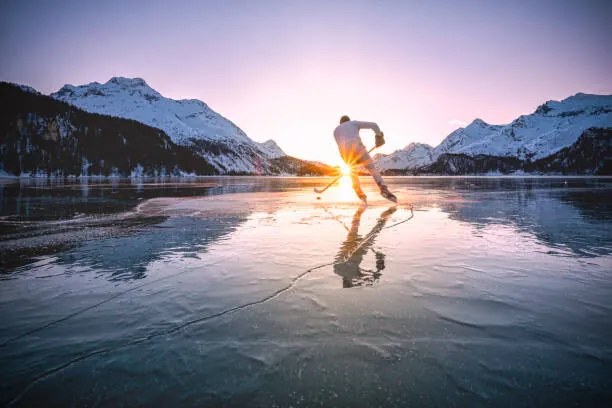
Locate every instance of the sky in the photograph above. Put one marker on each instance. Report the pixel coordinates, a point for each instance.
(287, 70)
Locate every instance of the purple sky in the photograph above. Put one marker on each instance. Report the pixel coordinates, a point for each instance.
(287, 70)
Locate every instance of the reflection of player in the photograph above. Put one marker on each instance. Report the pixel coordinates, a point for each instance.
(354, 153)
(354, 248)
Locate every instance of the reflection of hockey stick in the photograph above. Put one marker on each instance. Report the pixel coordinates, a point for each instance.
(321, 190)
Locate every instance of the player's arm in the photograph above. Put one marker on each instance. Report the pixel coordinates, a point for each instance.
(380, 139)
(368, 125)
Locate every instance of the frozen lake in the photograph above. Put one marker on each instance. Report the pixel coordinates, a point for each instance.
(252, 292)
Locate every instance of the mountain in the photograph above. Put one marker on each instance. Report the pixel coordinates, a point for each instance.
(188, 122)
(412, 156)
(42, 136)
(287, 165)
(590, 154)
(552, 127)
(271, 149)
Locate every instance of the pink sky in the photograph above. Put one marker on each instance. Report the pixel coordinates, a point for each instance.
(287, 70)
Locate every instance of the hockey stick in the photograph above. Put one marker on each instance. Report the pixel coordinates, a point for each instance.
(321, 190)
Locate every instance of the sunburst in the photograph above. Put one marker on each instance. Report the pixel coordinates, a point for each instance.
(345, 169)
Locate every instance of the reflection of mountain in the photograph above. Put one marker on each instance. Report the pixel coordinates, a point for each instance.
(127, 257)
(95, 225)
(574, 217)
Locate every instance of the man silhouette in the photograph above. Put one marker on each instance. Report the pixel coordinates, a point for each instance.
(354, 154)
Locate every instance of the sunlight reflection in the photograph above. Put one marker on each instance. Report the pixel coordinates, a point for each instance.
(342, 190)
(345, 189)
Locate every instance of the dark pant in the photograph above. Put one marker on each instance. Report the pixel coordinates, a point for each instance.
(355, 158)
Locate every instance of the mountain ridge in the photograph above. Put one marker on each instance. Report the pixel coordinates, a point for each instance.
(551, 127)
(43, 136)
(188, 122)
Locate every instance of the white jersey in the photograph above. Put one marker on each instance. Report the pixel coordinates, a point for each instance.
(347, 135)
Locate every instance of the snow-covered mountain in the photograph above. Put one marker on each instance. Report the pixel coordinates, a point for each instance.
(271, 149)
(188, 122)
(412, 156)
(41, 136)
(26, 88)
(590, 154)
(553, 126)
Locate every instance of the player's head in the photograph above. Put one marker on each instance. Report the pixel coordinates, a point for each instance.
(344, 118)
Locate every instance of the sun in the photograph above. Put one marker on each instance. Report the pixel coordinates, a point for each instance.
(345, 169)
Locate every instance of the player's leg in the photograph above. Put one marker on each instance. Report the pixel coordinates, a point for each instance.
(356, 184)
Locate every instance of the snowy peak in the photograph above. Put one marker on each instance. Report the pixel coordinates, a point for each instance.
(479, 123)
(473, 134)
(128, 82)
(553, 126)
(133, 98)
(417, 145)
(580, 103)
(24, 88)
(115, 87)
(271, 149)
(46, 137)
(412, 156)
(188, 122)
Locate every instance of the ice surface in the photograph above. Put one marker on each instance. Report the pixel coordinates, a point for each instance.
(251, 292)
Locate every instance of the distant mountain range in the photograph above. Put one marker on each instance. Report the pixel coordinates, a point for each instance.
(546, 141)
(125, 128)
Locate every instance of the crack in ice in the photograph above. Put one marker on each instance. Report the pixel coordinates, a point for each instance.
(181, 326)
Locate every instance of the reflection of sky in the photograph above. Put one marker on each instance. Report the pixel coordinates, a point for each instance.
(288, 69)
(554, 218)
(571, 218)
(267, 230)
